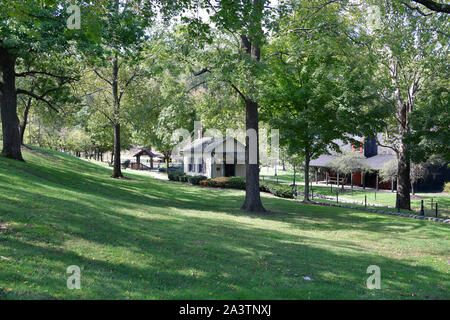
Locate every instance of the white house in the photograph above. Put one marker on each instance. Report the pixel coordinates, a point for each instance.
(214, 158)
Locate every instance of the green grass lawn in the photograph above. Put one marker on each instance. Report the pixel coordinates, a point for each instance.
(389, 198)
(283, 176)
(145, 238)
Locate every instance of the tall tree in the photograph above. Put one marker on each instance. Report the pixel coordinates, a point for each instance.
(316, 89)
(28, 29)
(245, 25)
(411, 52)
(123, 26)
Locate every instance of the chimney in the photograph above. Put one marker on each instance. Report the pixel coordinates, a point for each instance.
(370, 147)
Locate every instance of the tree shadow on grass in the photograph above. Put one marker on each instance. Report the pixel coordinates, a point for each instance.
(246, 265)
(190, 244)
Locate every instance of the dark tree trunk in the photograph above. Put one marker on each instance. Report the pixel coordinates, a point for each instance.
(167, 163)
(293, 182)
(307, 160)
(117, 172)
(8, 105)
(252, 201)
(23, 125)
(403, 182)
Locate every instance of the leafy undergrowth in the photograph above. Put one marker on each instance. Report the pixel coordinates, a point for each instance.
(145, 238)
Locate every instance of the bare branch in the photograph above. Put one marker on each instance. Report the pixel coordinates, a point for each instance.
(33, 72)
(198, 73)
(238, 91)
(417, 9)
(275, 54)
(35, 96)
(435, 6)
(102, 77)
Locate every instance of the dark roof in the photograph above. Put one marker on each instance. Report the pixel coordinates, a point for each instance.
(375, 163)
(322, 161)
(148, 153)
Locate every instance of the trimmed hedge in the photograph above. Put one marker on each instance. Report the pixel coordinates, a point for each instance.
(182, 177)
(177, 176)
(196, 179)
(277, 189)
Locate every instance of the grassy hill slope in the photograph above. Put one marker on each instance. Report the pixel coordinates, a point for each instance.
(145, 238)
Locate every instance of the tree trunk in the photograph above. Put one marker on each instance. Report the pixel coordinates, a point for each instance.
(412, 189)
(403, 182)
(23, 125)
(307, 160)
(252, 201)
(8, 105)
(117, 172)
(167, 163)
(294, 176)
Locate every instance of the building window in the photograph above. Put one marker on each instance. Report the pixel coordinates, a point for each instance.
(191, 166)
(200, 167)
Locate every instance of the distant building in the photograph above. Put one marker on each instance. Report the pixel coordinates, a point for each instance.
(214, 157)
(376, 157)
(153, 156)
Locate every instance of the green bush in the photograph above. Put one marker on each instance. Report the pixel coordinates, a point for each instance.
(447, 187)
(277, 189)
(177, 176)
(196, 179)
(236, 183)
(126, 164)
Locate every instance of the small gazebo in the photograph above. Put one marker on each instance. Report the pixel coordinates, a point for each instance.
(145, 152)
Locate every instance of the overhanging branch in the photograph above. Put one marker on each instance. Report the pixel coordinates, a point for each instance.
(35, 96)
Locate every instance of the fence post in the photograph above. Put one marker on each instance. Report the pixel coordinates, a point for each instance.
(365, 201)
(375, 195)
(337, 196)
(431, 203)
(436, 210)
(312, 194)
(422, 212)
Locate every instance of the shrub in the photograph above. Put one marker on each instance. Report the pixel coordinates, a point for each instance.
(177, 176)
(162, 169)
(277, 189)
(126, 164)
(196, 179)
(447, 187)
(220, 182)
(236, 183)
